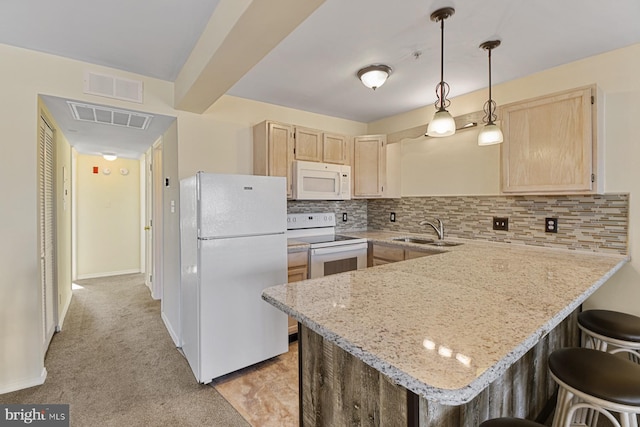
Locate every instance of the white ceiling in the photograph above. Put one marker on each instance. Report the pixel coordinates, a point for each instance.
(314, 68)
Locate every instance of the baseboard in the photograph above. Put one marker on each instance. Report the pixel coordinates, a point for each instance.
(26, 383)
(107, 274)
(174, 336)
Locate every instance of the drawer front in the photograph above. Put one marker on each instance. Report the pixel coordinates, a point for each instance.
(410, 254)
(297, 259)
(388, 252)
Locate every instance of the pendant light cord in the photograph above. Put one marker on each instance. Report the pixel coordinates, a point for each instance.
(490, 98)
(442, 64)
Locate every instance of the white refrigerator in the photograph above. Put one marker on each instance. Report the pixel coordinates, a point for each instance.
(233, 245)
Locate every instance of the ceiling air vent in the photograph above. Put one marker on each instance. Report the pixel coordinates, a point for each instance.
(112, 87)
(109, 116)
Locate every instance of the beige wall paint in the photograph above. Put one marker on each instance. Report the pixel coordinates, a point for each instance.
(108, 217)
(217, 141)
(220, 140)
(453, 166)
(616, 73)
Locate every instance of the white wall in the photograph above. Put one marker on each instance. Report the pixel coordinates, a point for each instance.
(108, 217)
(616, 73)
(217, 141)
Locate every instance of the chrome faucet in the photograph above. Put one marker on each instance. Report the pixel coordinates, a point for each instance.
(439, 228)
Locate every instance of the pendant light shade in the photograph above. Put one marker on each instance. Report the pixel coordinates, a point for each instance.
(442, 123)
(374, 76)
(490, 133)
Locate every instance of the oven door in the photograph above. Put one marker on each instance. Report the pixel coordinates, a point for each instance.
(337, 259)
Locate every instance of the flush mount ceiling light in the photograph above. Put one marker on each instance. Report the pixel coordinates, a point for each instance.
(490, 133)
(374, 76)
(442, 123)
(109, 156)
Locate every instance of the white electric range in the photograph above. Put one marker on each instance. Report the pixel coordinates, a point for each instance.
(329, 253)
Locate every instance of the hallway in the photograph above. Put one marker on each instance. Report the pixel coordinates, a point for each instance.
(115, 364)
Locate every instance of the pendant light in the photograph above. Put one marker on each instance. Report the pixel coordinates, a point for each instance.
(442, 123)
(490, 133)
(374, 76)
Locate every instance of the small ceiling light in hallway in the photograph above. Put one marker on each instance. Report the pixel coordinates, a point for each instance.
(442, 123)
(109, 156)
(374, 76)
(490, 133)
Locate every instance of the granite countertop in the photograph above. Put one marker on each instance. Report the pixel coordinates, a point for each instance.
(445, 326)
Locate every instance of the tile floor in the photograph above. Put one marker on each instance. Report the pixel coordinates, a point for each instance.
(265, 394)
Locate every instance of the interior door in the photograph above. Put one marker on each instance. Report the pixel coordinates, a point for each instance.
(156, 226)
(148, 235)
(47, 241)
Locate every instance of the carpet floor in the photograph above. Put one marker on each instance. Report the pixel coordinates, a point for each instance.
(115, 364)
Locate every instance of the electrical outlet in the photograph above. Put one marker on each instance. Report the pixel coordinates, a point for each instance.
(551, 225)
(392, 217)
(344, 217)
(500, 223)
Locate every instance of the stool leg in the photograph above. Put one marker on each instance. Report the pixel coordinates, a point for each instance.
(562, 407)
(583, 406)
(628, 419)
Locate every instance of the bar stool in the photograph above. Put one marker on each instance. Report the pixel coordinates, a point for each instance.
(602, 328)
(510, 422)
(589, 379)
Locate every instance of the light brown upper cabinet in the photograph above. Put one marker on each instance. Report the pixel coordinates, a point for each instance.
(308, 144)
(273, 150)
(335, 148)
(550, 143)
(369, 166)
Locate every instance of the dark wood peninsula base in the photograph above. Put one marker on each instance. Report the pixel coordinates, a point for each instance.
(338, 389)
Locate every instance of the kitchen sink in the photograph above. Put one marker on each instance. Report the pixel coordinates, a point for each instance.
(443, 243)
(414, 240)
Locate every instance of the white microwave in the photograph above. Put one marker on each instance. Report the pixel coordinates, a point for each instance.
(321, 181)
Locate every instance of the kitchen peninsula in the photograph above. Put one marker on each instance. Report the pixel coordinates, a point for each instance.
(448, 340)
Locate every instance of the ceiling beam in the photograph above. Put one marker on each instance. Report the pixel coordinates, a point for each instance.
(239, 34)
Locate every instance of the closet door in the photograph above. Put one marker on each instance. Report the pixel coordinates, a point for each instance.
(46, 191)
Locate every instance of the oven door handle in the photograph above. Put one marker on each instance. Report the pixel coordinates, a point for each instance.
(338, 249)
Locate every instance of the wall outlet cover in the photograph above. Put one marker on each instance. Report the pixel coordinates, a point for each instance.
(551, 225)
(501, 223)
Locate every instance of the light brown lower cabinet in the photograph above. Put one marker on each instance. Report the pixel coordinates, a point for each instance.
(297, 270)
(384, 254)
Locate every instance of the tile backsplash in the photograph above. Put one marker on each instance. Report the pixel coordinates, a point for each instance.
(596, 223)
(356, 211)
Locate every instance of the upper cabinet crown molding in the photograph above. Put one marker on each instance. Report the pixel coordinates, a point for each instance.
(551, 144)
